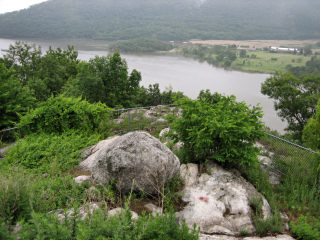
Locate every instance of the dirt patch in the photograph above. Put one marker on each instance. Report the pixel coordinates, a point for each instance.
(138, 205)
(258, 43)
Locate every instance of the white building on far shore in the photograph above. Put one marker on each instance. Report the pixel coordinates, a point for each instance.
(285, 50)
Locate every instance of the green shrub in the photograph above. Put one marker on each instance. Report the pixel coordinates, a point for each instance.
(98, 226)
(306, 229)
(164, 227)
(47, 226)
(49, 152)
(55, 192)
(60, 114)
(311, 132)
(172, 191)
(218, 128)
(268, 226)
(263, 226)
(14, 198)
(4, 232)
(22, 192)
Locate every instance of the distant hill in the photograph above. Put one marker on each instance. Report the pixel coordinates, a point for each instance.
(165, 19)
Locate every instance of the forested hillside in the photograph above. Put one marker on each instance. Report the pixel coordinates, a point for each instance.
(165, 19)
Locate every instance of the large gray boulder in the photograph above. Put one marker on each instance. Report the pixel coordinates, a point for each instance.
(218, 201)
(135, 160)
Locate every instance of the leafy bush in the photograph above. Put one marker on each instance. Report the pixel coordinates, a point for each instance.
(218, 128)
(311, 132)
(49, 152)
(99, 226)
(306, 229)
(60, 114)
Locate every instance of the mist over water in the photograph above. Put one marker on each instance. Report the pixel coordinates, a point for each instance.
(183, 74)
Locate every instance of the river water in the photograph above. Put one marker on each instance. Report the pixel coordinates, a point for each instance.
(182, 74)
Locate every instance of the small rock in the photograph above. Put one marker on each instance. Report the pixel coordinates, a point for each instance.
(267, 166)
(159, 120)
(178, 146)
(89, 209)
(45, 175)
(17, 228)
(163, 133)
(263, 150)
(284, 217)
(92, 189)
(216, 237)
(3, 150)
(82, 179)
(286, 220)
(82, 212)
(118, 211)
(153, 209)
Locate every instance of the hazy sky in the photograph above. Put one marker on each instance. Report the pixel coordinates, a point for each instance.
(12, 5)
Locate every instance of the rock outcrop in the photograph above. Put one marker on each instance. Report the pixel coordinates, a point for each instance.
(118, 211)
(221, 237)
(219, 202)
(135, 157)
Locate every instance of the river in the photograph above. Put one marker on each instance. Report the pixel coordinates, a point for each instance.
(182, 74)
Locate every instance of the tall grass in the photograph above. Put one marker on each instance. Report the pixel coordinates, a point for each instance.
(299, 190)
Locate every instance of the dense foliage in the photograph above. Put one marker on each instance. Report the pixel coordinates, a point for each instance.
(60, 114)
(49, 152)
(165, 20)
(141, 45)
(307, 228)
(295, 98)
(152, 96)
(217, 55)
(15, 98)
(311, 132)
(218, 128)
(28, 76)
(105, 79)
(311, 67)
(45, 74)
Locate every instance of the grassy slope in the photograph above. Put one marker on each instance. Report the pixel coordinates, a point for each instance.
(263, 62)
